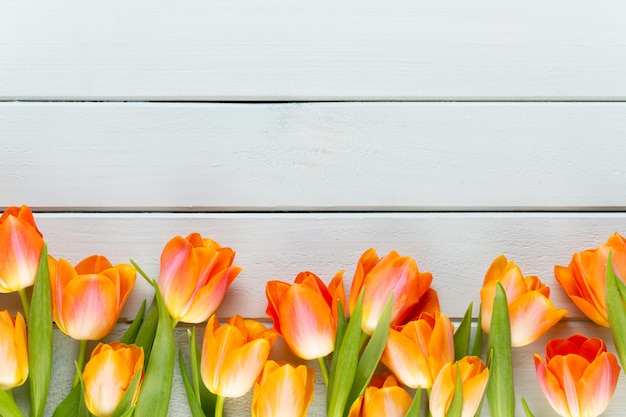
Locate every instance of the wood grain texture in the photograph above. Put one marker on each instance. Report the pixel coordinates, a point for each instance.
(315, 156)
(285, 50)
(456, 247)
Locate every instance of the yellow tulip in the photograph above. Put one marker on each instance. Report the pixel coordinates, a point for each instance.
(388, 399)
(531, 313)
(283, 390)
(21, 244)
(108, 375)
(474, 378)
(233, 355)
(195, 274)
(13, 350)
(88, 299)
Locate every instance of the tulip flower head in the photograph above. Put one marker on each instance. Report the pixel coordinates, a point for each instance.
(305, 313)
(108, 375)
(195, 274)
(13, 350)
(88, 299)
(388, 399)
(531, 313)
(283, 390)
(579, 376)
(417, 351)
(584, 279)
(233, 355)
(382, 277)
(474, 378)
(21, 244)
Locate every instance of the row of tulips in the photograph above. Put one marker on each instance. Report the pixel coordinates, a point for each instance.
(378, 346)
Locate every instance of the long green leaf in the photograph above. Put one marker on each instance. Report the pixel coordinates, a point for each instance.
(616, 310)
(372, 353)
(477, 346)
(462, 335)
(130, 334)
(527, 408)
(154, 397)
(416, 405)
(8, 408)
(194, 403)
(456, 405)
(342, 324)
(347, 361)
(147, 331)
(126, 402)
(70, 405)
(40, 338)
(500, 389)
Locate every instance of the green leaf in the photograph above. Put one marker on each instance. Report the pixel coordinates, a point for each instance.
(456, 405)
(154, 397)
(527, 408)
(71, 404)
(500, 390)
(194, 403)
(372, 353)
(416, 405)
(477, 346)
(147, 331)
(463, 334)
(131, 333)
(616, 309)
(342, 325)
(126, 402)
(82, 407)
(40, 338)
(8, 408)
(347, 360)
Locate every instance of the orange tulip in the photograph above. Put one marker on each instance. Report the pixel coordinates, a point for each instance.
(584, 279)
(195, 274)
(388, 399)
(474, 378)
(417, 351)
(381, 277)
(13, 350)
(579, 376)
(108, 375)
(234, 354)
(88, 299)
(305, 313)
(21, 244)
(283, 390)
(531, 313)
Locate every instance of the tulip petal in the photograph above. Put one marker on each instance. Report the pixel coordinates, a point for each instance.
(551, 388)
(20, 246)
(241, 367)
(178, 275)
(94, 264)
(597, 385)
(532, 315)
(403, 357)
(208, 298)
(106, 378)
(388, 402)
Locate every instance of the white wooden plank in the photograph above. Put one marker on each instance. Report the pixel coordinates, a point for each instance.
(525, 377)
(317, 156)
(285, 50)
(456, 247)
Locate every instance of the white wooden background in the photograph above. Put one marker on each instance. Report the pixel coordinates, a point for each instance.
(302, 133)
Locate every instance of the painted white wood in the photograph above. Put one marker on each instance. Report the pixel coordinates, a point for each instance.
(456, 247)
(285, 50)
(314, 156)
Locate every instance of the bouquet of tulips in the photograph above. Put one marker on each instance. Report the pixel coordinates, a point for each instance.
(379, 348)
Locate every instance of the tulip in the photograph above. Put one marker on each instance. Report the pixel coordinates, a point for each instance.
(195, 274)
(584, 279)
(388, 399)
(392, 274)
(305, 313)
(579, 376)
(531, 313)
(474, 378)
(13, 350)
(234, 354)
(108, 375)
(21, 244)
(417, 351)
(283, 390)
(88, 299)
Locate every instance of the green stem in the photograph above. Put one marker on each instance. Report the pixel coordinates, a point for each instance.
(80, 361)
(416, 405)
(193, 353)
(25, 304)
(219, 406)
(324, 368)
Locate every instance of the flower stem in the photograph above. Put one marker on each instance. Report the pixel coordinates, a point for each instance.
(324, 368)
(80, 361)
(25, 304)
(219, 406)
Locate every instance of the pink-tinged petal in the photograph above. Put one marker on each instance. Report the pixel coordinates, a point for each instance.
(568, 370)
(597, 385)
(551, 388)
(208, 298)
(88, 307)
(531, 316)
(21, 246)
(178, 276)
(307, 326)
(404, 358)
(241, 367)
